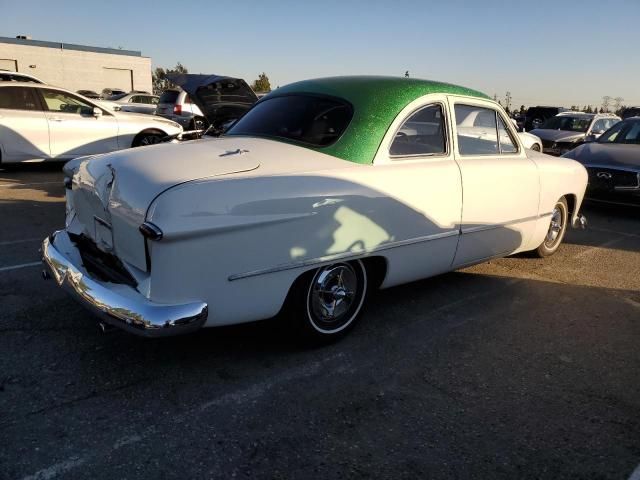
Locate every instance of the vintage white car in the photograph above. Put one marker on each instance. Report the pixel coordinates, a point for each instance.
(323, 190)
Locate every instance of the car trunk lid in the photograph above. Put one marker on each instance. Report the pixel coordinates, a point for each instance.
(111, 193)
(221, 99)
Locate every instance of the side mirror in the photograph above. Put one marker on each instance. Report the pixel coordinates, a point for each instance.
(590, 138)
(597, 132)
(97, 112)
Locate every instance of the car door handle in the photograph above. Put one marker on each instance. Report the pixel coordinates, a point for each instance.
(56, 119)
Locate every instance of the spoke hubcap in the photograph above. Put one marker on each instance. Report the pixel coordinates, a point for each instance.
(333, 292)
(555, 227)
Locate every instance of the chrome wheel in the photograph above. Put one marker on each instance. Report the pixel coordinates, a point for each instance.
(555, 227)
(335, 296)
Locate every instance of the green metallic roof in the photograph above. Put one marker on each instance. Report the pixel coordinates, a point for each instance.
(376, 103)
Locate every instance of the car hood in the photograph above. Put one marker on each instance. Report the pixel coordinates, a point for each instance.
(558, 135)
(607, 155)
(221, 99)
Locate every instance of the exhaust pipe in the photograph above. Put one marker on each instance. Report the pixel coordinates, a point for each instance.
(106, 328)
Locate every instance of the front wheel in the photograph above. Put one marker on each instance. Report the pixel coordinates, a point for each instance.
(326, 303)
(147, 139)
(556, 231)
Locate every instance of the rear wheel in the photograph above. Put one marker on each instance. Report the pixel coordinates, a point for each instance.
(556, 231)
(325, 303)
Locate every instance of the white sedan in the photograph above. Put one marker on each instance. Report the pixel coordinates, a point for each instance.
(322, 191)
(41, 122)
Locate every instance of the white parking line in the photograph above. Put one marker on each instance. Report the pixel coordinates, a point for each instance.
(22, 265)
(244, 395)
(55, 470)
(29, 184)
(14, 242)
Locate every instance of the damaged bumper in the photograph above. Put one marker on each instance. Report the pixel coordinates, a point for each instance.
(118, 305)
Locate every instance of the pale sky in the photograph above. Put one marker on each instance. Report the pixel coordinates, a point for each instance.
(560, 52)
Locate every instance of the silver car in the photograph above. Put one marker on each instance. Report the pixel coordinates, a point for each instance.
(176, 105)
(136, 102)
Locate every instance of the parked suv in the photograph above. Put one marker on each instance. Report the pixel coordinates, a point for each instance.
(630, 112)
(176, 105)
(536, 116)
(567, 130)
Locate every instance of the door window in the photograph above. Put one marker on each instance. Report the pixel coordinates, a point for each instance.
(63, 102)
(423, 133)
(18, 98)
(476, 130)
(482, 131)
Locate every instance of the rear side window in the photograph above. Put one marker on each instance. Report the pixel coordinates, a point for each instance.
(421, 134)
(170, 96)
(309, 119)
(18, 98)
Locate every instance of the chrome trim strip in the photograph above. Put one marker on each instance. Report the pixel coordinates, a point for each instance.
(126, 308)
(343, 256)
(482, 228)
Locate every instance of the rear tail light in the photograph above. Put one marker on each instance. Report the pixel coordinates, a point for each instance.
(177, 109)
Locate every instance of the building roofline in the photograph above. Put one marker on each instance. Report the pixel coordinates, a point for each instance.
(70, 46)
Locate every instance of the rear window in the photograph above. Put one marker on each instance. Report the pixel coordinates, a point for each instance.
(316, 121)
(170, 96)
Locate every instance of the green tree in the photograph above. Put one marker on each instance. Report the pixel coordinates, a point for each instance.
(159, 77)
(262, 84)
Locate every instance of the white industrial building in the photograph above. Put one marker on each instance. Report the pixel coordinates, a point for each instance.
(76, 67)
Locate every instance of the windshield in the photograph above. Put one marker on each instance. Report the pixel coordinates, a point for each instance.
(314, 120)
(623, 132)
(569, 124)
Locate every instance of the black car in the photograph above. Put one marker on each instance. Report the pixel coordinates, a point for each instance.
(630, 112)
(536, 116)
(613, 164)
(89, 94)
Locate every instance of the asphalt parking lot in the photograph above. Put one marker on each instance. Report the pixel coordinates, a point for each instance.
(517, 368)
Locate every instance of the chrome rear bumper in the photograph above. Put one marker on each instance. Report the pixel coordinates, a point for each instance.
(118, 305)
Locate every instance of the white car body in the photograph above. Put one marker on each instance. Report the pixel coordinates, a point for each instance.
(33, 132)
(530, 141)
(240, 219)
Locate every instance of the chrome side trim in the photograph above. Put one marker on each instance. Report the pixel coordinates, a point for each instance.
(482, 228)
(119, 305)
(343, 256)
